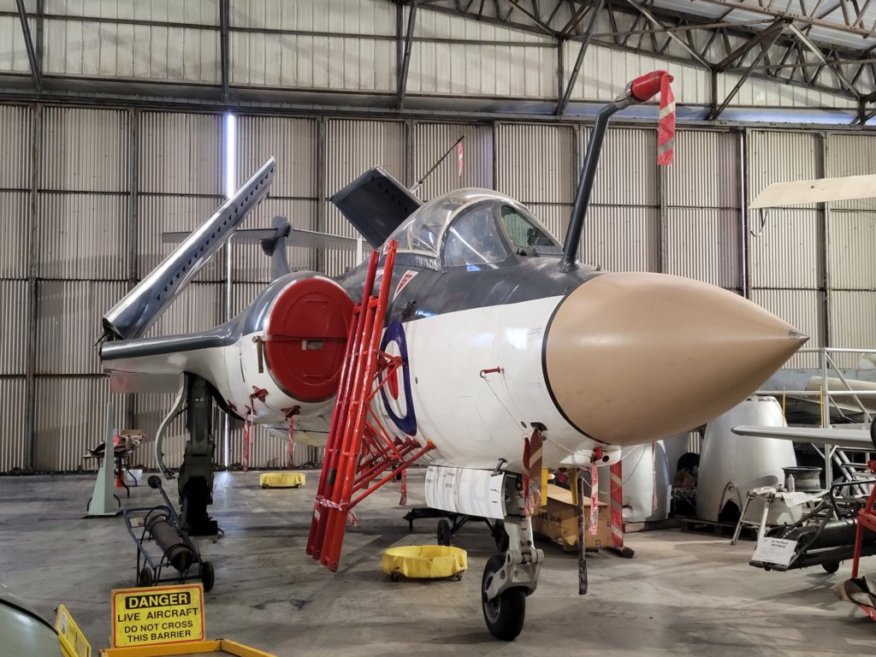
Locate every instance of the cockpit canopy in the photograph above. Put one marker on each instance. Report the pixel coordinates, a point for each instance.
(474, 227)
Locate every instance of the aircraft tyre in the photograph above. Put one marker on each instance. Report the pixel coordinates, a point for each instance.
(505, 614)
(445, 532)
(208, 576)
(831, 567)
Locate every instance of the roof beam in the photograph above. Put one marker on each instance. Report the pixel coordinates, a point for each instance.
(774, 31)
(224, 21)
(585, 43)
(647, 14)
(35, 72)
(405, 63)
(849, 24)
(837, 71)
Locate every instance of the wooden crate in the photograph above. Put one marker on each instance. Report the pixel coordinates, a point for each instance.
(558, 521)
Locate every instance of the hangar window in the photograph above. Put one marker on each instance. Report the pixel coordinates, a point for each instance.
(474, 239)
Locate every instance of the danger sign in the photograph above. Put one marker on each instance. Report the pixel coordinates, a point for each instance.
(161, 614)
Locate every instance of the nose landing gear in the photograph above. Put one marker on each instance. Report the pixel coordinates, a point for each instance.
(510, 576)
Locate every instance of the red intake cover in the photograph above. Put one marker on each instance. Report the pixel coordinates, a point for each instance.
(306, 336)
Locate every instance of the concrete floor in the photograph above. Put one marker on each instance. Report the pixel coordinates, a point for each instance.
(682, 594)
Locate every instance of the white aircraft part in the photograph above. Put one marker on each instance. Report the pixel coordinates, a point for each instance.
(467, 491)
(843, 438)
(731, 465)
(472, 417)
(646, 479)
(820, 190)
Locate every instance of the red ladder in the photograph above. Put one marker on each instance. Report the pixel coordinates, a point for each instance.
(359, 448)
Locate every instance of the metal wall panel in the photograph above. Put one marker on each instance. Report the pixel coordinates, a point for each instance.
(157, 52)
(316, 61)
(83, 236)
(463, 69)
(431, 141)
(804, 310)
(68, 324)
(779, 157)
(15, 245)
(70, 418)
(852, 238)
(627, 172)
(13, 326)
(180, 153)
(788, 252)
(352, 147)
(703, 244)
(16, 130)
(852, 325)
(200, 306)
(291, 141)
(13, 53)
(705, 173)
(164, 214)
(203, 12)
(756, 92)
(340, 16)
(84, 150)
(622, 239)
(13, 439)
(851, 155)
(535, 163)
(606, 72)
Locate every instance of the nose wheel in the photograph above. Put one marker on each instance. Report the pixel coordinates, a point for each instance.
(505, 613)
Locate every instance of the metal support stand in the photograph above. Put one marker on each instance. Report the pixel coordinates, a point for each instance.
(103, 501)
(767, 495)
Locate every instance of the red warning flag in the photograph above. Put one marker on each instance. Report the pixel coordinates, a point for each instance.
(460, 156)
(666, 123)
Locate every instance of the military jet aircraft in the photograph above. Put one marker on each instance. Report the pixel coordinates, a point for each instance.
(501, 330)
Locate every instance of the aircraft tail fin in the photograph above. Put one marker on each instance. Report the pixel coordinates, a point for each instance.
(131, 316)
(376, 204)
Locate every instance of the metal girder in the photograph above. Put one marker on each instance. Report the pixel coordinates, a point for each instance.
(573, 76)
(852, 22)
(765, 45)
(794, 58)
(672, 35)
(405, 63)
(224, 22)
(35, 71)
(768, 34)
(804, 39)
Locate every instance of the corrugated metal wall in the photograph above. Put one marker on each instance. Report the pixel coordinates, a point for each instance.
(786, 258)
(108, 182)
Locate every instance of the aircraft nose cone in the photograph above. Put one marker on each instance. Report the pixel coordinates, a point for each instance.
(634, 357)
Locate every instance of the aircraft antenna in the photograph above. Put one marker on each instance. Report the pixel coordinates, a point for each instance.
(437, 164)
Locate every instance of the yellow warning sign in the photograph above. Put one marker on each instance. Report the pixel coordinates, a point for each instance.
(72, 639)
(158, 614)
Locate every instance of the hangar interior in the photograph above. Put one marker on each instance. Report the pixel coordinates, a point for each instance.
(123, 120)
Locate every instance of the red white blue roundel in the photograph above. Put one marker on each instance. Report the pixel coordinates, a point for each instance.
(398, 403)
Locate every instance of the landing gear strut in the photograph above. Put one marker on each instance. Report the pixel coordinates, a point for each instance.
(511, 575)
(196, 472)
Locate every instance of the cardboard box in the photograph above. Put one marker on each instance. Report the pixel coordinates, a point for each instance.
(558, 521)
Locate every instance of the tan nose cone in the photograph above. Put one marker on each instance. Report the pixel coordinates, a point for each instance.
(637, 357)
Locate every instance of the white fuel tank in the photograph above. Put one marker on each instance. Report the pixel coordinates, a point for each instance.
(731, 465)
